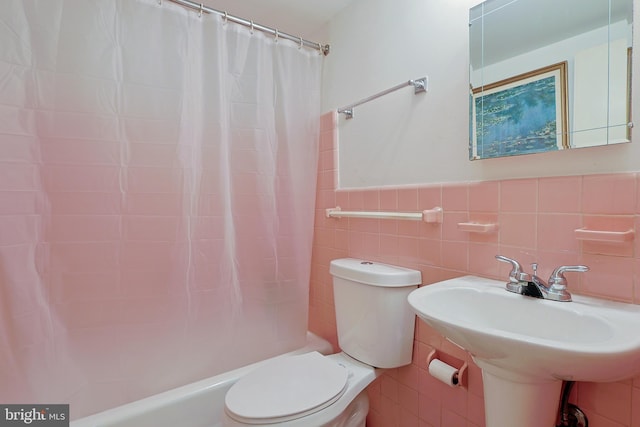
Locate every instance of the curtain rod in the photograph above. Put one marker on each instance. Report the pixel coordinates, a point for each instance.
(247, 23)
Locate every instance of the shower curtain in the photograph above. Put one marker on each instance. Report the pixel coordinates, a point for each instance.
(157, 190)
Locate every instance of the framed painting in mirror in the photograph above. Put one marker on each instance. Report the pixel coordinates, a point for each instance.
(523, 114)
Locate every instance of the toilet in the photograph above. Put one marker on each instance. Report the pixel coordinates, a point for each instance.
(375, 331)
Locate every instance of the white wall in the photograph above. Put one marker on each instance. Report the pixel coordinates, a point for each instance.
(410, 139)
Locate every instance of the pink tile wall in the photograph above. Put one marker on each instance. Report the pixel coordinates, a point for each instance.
(537, 219)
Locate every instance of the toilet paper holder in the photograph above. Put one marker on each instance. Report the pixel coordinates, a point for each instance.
(462, 371)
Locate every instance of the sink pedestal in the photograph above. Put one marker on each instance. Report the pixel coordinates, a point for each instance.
(516, 400)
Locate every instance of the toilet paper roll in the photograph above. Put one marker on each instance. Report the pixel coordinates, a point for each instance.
(443, 372)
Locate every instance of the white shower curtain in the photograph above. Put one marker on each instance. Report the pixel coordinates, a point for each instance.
(157, 189)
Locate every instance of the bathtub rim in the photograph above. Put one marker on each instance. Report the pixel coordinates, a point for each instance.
(120, 414)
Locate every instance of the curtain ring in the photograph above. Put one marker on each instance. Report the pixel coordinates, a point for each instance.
(300, 47)
(200, 11)
(251, 27)
(277, 36)
(225, 18)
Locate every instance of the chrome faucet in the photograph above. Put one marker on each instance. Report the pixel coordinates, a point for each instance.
(533, 286)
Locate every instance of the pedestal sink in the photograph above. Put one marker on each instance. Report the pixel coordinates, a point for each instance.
(527, 346)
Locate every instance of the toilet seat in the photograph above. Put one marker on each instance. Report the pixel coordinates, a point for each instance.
(287, 389)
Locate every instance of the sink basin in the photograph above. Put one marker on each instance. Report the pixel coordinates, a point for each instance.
(588, 339)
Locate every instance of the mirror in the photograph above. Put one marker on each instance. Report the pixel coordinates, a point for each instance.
(549, 75)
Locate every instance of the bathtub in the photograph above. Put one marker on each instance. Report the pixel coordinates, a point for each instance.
(199, 404)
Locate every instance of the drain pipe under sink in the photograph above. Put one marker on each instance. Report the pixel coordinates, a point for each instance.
(570, 414)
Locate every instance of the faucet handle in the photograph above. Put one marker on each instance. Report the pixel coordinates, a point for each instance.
(516, 276)
(516, 268)
(557, 281)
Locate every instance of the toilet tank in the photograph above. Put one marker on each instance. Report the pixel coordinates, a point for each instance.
(374, 319)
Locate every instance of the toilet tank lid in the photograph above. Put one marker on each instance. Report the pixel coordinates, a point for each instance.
(374, 273)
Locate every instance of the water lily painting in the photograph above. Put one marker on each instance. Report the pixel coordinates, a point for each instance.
(521, 115)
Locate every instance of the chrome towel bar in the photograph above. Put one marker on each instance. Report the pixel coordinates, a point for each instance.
(420, 85)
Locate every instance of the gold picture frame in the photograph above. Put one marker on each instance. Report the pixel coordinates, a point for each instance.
(523, 114)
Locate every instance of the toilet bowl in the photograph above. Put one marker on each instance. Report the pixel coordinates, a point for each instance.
(306, 390)
(375, 331)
